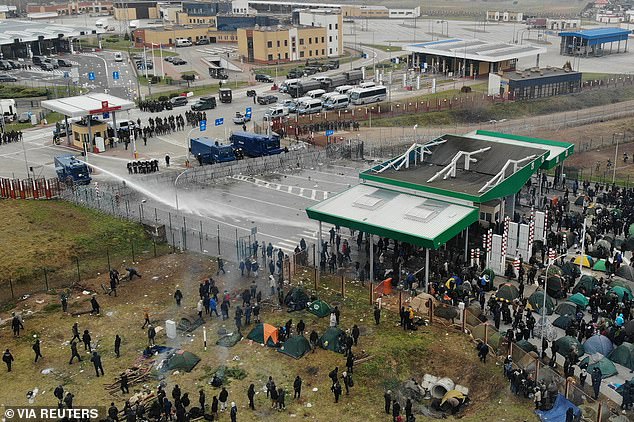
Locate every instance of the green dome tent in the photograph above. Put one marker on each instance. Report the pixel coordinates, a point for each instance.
(563, 322)
(566, 308)
(579, 299)
(507, 293)
(624, 355)
(229, 340)
(295, 347)
(599, 265)
(182, 361)
(332, 340)
(536, 301)
(296, 299)
(319, 308)
(585, 285)
(597, 360)
(264, 334)
(567, 344)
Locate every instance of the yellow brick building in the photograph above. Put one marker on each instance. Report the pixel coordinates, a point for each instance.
(166, 36)
(279, 44)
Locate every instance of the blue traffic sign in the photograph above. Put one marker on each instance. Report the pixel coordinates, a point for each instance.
(248, 110)
(220, 121)
(106, 115)
(330, 132)
(115, 75)
(203, 125)
(91, 76)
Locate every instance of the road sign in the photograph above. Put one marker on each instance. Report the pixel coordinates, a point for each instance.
(203, 125)
(91, 76)
(330, 132)
(247, 114)
(106, 115)
(220, 121)
(115, 75)
(248, 110)
(66, 75)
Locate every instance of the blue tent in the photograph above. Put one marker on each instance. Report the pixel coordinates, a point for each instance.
(558, 412)
(598, 344)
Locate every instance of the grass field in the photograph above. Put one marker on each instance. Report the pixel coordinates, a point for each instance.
(382, 47)
(116, 43)
(207, 89)
(52, 117)
(396, 355)
(54, 234)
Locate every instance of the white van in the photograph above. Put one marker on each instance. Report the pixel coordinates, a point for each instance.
(327, 95)
(275, 112)
(343, 89)
(183, 42)
(315, 93)
(366, 84)
(309, 106)
(101, 23)
(336, 102)
(287, 83)
(134, 24)
(118, 57)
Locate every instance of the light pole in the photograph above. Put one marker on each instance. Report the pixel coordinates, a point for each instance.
(616, 153)
(546, 294)
(415, 137)
(176, 186)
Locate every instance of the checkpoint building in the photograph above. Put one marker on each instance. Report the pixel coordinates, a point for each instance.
(469, 57)
(594, 42)
(437, 190)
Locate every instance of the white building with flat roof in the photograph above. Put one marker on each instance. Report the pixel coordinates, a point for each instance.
(330, 19)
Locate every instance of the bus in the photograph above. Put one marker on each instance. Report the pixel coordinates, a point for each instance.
(373, 94)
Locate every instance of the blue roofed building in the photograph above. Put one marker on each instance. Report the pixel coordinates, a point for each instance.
(594, 42)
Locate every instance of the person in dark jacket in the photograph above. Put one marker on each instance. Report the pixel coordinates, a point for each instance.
(408, 409)
(214, 408)
(222, 398)
(117, 345)
(377, 314)
(251, 396)
(570, 415)
(313, 339)
(396, 410)
(124, 383)
(16, 325)
(355, 334)
(297, 387)
(201, 401)
(301, 327)
(96, 361)
(7, 358)
(234, 412)
(59, 393)
(178, 295)
(113, 412)
(336, 390)
(86, 338)
(74, 353)
(596, 381)
(388, 401)
(36, 349)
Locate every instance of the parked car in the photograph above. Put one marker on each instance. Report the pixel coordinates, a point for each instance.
(170, 59)
(64, 63)
(179, 101)
(7, 78)
(240, 118)
(251, 93)
(5, 65)
(202, 41)
(53, 62)
(204, 103)
(266, 99)
(118, 57)
(178, 61)
(25, 117)
(263, 78)
(47, 66)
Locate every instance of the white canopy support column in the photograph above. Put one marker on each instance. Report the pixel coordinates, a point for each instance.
(418, 150)
(320, 245)
(371, 240)
(427, 267)
(450, 169)
(501, 176)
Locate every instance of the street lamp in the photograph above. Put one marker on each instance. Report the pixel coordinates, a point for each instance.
(546, 294)
(176, 187)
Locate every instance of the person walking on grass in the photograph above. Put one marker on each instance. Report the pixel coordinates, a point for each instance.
(117, 345)
(8, 359)
(36, 349)
(251, 396)
(297, 387)
(96, 361)
(74, 353)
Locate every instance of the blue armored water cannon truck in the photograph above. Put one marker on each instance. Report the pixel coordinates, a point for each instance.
(256, 145)
(69, 168)
(210, 151)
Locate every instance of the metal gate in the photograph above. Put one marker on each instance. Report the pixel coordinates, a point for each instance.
(244, 247)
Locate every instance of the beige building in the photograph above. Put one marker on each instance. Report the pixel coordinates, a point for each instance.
(124, 11)
(332, 21)
(182, 18)
(166, 36)
(358, 11)
(506, 16)
(282, 44)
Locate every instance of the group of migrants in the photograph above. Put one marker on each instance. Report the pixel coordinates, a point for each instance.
(11, 136)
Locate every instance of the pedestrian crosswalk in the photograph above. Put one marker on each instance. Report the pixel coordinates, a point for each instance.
(308, 193)
(289, 244)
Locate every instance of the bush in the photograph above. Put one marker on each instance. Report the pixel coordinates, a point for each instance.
(112, 39)
(126, 37)
(173, 94)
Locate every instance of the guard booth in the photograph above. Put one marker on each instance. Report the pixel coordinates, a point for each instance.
(94, 110)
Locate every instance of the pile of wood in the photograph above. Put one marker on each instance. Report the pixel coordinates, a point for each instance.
(361, 357)
(136, 374)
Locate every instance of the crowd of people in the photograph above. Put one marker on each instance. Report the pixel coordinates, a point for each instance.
(11, 136)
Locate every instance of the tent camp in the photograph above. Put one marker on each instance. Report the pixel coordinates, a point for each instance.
(567, 344)
(264, 334)
(598, 344)
(493, 337)
(558, 412)
(624, 355)
(182, 361)
(579, 299)
(597, 360)
(332, 339)
(295, 347)
(296, 299)
(420, 303)
(566, 308)
(536, 301)
(319, 308)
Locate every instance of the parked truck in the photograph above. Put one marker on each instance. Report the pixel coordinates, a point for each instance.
(255, 145)
(303, 87)
(209, 151)
(70, 169)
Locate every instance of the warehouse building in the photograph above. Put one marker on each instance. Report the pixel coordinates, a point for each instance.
(279, 44)
(534, 83)
(471, 58)
(594, 42)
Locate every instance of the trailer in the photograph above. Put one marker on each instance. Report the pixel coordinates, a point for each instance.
(332, 82)
(70, 169)
(209, 151)
(354, 77)
(255, 145)
(303, 87)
